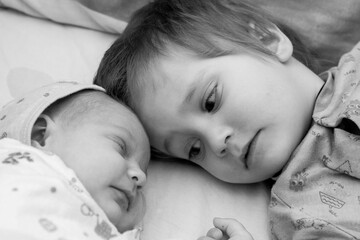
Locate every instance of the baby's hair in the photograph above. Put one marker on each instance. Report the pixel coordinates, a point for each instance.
(209, 28)
(80, 108)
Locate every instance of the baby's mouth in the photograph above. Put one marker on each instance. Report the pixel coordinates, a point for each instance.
(122, 200)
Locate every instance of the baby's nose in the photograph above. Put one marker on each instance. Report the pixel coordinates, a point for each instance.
(139, 177)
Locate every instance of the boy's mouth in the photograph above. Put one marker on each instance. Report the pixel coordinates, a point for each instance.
(250, 150)
(246, 159)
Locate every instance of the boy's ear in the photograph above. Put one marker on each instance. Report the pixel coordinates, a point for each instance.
(41, 131)
(278, 43)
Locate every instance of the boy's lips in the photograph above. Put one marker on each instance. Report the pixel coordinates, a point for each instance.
(249, 152)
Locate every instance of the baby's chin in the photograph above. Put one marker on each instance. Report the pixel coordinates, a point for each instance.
(133, 217)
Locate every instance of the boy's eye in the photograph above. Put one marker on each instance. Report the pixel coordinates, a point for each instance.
(195, 150)
(211, 99)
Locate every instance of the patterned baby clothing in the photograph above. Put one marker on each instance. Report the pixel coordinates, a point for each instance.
(42, 199)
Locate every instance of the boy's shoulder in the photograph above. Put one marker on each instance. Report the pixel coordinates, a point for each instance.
(352, 56)
(340, 95)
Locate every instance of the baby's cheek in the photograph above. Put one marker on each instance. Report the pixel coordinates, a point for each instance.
(141, 208)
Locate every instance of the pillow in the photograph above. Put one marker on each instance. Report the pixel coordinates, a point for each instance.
(120, 9)
(34, 52)
(329, 28)
(73, 12)
(326, 26)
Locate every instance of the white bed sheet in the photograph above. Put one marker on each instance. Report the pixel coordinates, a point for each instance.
(182, 199)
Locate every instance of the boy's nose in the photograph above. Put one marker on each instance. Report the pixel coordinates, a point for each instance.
(218, 141)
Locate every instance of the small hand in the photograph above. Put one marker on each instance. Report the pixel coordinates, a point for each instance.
(227, 229)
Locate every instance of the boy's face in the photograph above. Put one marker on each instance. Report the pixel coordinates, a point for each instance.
(239, 117)
(110, 156)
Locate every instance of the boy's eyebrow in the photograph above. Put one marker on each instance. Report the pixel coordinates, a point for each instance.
(189, 95)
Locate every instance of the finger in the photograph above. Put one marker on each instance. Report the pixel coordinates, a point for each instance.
(215, 233)
(232, 228)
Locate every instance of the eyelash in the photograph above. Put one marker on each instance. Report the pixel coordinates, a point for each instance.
(210, 105)
(195, 156)
(122, 147)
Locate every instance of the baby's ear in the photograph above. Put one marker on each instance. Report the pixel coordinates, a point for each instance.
(278, 43)
(41, 131)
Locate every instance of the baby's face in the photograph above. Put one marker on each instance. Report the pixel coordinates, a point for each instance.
(110, 157)
(239, 117)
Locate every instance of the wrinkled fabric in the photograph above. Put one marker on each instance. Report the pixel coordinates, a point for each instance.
(317, 195)
(18, 117)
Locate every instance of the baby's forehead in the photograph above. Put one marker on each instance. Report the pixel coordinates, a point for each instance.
(122, 115)
(118, 110)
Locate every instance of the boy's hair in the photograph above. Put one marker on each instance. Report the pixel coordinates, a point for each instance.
(80, 108)
(197, 25)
